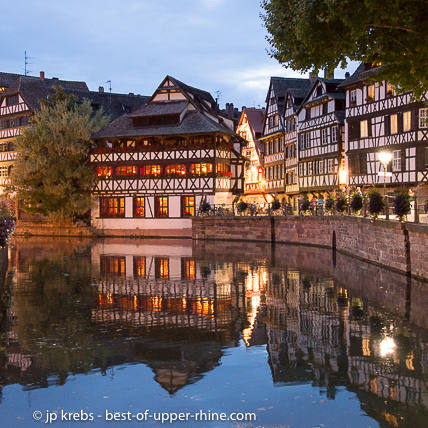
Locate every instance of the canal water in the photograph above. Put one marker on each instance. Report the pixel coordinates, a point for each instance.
(120, 332)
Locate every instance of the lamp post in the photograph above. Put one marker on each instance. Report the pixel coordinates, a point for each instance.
(384, 157)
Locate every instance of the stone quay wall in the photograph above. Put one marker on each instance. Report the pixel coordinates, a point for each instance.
(398, 246)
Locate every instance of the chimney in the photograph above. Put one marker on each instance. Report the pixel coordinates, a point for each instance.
(313, 77)
(326, 74)
(347, 74)
(42, 75)
(101, 89)
(55, 78)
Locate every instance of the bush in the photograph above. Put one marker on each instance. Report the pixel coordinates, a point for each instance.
(305, 204)
(376, 202)
(329, 204)
(275, 205)
(401, 204)
(205, 207)
(341, 202)
(356, 202)
(242, 206)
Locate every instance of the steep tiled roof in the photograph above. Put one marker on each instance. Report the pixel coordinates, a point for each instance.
(358, 75)
(255, 117)
(193, 122)
(160, 107)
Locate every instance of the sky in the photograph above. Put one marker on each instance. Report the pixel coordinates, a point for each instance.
(215, 45)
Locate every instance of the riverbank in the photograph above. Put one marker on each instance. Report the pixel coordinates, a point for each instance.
(401, 247)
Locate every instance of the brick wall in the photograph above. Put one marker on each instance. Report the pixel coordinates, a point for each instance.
(387, 243)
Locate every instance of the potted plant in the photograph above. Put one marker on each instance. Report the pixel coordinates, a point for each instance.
(401, 204)
(341, 202)
(242, 207)
(357, 202)
(305, 204)
(376, 202)
(275, 205)
(329, 204)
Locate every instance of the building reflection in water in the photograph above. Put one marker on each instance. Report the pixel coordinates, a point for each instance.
(176, 308)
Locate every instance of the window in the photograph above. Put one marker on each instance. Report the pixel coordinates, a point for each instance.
(156, 120)
(125, 171)
(112, 207)
(407, 120)
(222, 168)
(324, 136)
(139, 207)
(370, 93)
(321, 167)
(390, 91)
(364, 129)
(188, 270)
(393, 123)
(423, 118)
(353, 97)
(161, 206)
(309, 168)
(308, 114)
(188, 206)
(325, 108)
(271, 147)
(14, 99)
(200, 169)
(3, 171)
(396, 160)
(330, 169)
(112, 266)
(333, 134)
(150, 171)
(176, 170)
(139, 266)
(161, 268)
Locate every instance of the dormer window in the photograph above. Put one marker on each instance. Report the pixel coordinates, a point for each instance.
(14, 99)
(158, 120)
(319, 91)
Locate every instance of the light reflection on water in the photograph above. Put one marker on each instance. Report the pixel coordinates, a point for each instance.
(297, 335)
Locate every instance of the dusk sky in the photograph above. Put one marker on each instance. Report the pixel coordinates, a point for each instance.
(214, 45)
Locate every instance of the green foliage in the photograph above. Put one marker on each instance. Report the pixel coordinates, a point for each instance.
(376, 202)
(311, 35)
(401, 204)
(329, 204)
(242, 206)
(51, 175)
(305, 204)
(341, 202)
(356, 202)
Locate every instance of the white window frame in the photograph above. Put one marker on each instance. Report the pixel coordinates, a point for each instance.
(364, 129)
(321, 167)
(310, 171)
(334, 133)
(353, 96)
(423, 116)
(396, 160)
(371, 92)
(330, 168)
(324, 136)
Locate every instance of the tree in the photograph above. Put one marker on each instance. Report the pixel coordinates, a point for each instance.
(51, 175)
(311, 35)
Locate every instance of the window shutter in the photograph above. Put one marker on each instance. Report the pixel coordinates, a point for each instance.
(414, 119)
(421, 161)
(400, 121)
(387, 121)
(369, 127)
(403, 159)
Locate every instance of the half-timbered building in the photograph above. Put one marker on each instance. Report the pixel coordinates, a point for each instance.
(274, 134)
(321, 137)
(293, 100)
(250, 128)
(380, 118)
(20, 100)
(158, 164)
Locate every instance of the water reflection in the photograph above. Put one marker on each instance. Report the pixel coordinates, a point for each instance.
(71, 308)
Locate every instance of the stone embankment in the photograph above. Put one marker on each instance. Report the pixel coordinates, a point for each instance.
(402, 247)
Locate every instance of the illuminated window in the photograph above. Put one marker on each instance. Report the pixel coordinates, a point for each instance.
(161, 268)
(370, 93)
(407, 120)
(423, 118)
(161, 204)
(125, 171)
(139, 207)
(390, 91)
(188, 269)
(105, 171)
(394, 123)
(150, 171)
(199, 169)
(188, 206)
(330, 167)
(112, 266)
(3, 171)
(139, 266)
(112, 207)
(176, 170)
(364, 129)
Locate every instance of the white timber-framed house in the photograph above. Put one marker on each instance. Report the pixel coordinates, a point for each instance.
(378, 118)
(321, 138)
(293, 100)
(250, 128)
(157, 165)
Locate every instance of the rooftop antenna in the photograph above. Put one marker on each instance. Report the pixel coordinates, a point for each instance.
(27, 63)
(109, 82)
(218, 93)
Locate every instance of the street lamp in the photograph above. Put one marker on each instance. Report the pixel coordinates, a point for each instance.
(384, 157)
